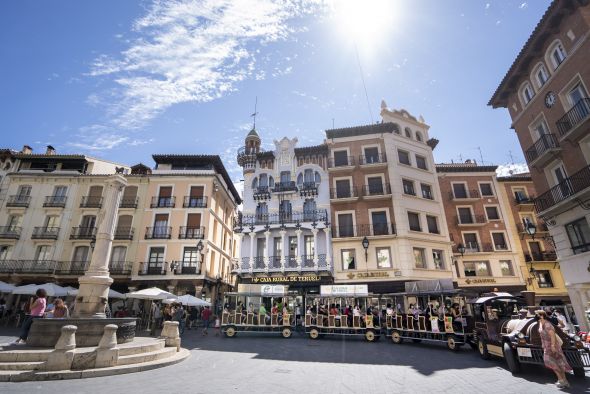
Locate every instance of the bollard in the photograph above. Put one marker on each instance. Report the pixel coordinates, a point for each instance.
(107, 353)
(171, 335)
(63, 355)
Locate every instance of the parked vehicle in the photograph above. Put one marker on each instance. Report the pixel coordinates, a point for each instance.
(259, 308)
(346, 310)
(506, 328)
(431, 311)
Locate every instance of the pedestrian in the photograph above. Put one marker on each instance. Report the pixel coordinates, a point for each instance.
(193, 315)
(553, 356)
(156, 318)
(179, 316)
(206, 315)
(60, 309)
(36, 310)
(217, 326)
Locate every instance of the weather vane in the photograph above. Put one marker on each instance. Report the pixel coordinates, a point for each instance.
(255, 113)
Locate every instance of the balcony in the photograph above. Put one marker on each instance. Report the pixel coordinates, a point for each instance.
(120, 267)
(344, 193)
(261, 193)
(373, 160)
(55, 201)
(186, 268)
(285, 187)
(540, 257)
(163, 202)
(377, 191)
(191, 232)
(541, 228)
(28, 266)
(10, 232)
(247, 156)
(91, 202)
(344, 163)
(154, 269)
(159, 232)
(129, 202)
(465, 195)
(567, 189)
(18, 200)
(363, 230)
(274, 264)
(471, 220)
(308, 189)
(318, 215)
(124, 233)
(570, 125)
(542, 151)
(195, 202)
(45, 232)
(72, 268)
(470, 247)
(83, 233)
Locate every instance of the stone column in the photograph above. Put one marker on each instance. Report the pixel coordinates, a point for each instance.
(240, 239)
(283, 260)
(266, 258)
(94, 285)
(328, 248)
(315, 248)
(300, 247)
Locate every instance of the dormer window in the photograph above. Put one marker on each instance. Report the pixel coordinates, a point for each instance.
(526, 93)
(556, 54)
(541, 76)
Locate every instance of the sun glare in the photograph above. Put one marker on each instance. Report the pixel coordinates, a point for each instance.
(364, 21)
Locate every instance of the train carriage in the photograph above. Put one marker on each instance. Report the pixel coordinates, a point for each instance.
(259, 308)
(325, 313)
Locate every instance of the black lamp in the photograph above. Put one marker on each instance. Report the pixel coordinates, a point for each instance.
(366, 247)
(200, 246)
(461, 249)
(531, 229)
(92, 244)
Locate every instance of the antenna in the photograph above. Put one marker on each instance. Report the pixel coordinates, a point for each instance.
(460, 157)
(358, 59)
(332, 123)
(511, 158)
(255, 113)
(480, 155)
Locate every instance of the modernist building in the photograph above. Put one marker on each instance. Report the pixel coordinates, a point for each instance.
(388, 222)
(486, 250)
(285, 223)
(546, 93)
(538, 260)
(173, 228)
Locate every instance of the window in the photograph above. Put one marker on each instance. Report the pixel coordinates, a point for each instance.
(408, 132)
(465, 216)
(492, 213)
(293, 246)
(308, 176)
(379, 222)
(340, 158)
(477, 268)
(527, 93)
(432, 224)
(520, 195)
(309, 246)
(419, 258)
(262, 212)
(277, 246)
(438, 258)
(43, 253)
(118, 254)
(575, 96)
(426, 191)
(408, 187)
(541, 76)
(557, 55)
(418, 136)
(348, 259)
(506, 268)
(81, 254)
(396, 129)
(285, 176)
(156, 260)
(471, 244)
(414, 221)
(14, 222)
(404, 157)
(343, 189)
(375, 185)
(285, 210)
(544, 278)
(459, 190)
(372, 155)
(383, 257)
(345, 226)
(263, 180)
(539, 129)
(254, 184)
(4, 252)
(309, 210)
(499, 241)
(421, 162)
(486, 189)
(578, 233)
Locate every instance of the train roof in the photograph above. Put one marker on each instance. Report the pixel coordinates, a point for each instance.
(496, 295)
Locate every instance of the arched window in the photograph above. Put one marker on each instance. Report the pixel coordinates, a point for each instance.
(418, 136)
(255, 184)
(318, 178)
(540, 75)
(309, 209)
(300, 179)
(408, 132)
(308, 176)
(396, 129)
(263, 180)
(526, 93)
(271, 181)
(261, 211)
(556, 54)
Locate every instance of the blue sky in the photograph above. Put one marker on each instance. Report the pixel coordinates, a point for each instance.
(122, 80)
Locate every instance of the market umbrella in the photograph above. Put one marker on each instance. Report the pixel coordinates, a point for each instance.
(190, 300)
(51, 289)
(112, 293)
(153, 293)
(6, 287)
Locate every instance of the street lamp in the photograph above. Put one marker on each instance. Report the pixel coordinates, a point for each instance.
(531, 229)
(92, 244)
(365, 244)
(461, 249)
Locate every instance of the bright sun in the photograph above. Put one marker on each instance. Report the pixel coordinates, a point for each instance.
(364, 21)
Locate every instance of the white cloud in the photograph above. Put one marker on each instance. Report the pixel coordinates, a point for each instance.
(524, 5)
(512, 169)
(97, 137)
(192, 51)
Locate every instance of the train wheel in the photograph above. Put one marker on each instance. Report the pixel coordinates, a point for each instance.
(314, 333)
(396, 337)
(511, 360)
(452, 343)
(370, 335)
(230, 332)
(286, 332)
(483, 349)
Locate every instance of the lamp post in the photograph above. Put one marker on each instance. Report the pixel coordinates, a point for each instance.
(461, 249)
(365, 244)
(531, 229)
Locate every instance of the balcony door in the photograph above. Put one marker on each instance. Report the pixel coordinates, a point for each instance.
(24, 192)
(94, 195)
(536, 252)
(285, 211)
(260, 248)
(161, 225)
(471, 244)
(371, 155)
(193, 225)
(118, 254)
(375, 185)
(285, 177)
(309, 249)
(80, 258)
(309, 210)
(156, 260)
(165, 196)
(130, 194)
(560, 178)
(43, 253)
(261, 213)
(87, 225)
(465, 215)
(576, 95)
(340, 158)
(196, 196)
(343, 188)
(459, 190)
(379, 221)
(277, 251)
(190, 260)
(345, 225)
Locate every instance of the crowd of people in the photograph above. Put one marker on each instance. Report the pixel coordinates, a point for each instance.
(188, 318)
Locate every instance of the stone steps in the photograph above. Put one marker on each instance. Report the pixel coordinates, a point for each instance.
(24, 355)
(21, 366)
(129, 349)
(147, 357)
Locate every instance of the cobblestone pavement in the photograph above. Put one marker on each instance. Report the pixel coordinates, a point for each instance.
(266, 364)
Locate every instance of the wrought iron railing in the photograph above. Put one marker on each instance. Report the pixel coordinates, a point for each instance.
(10, 232)
(55, 201)
(288, 186)
(545, 143)
(471, 219)
(71, 268)
(341, 162)
(563, 190)
(381, 189)
(129, 202)
(18, 201)
(120, 267)
(191, 232)
(574, 116)
(124, 233)
(372, 159)
(320, 215)
(363, 230)
(195, 202)
(158, 232)
(542, 256)
(45, 232)
(91, 202)
(83, 233)
(163, 202)
(343, 192)
(473, 193)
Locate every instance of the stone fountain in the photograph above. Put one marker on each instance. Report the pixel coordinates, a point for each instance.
(89, 310)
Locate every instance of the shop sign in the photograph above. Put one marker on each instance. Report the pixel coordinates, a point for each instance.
(480, 281)
(344, 290)
(369, 275)
(263, 290)
(287, 279)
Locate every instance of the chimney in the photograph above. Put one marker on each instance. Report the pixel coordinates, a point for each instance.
(27, 150)
(50, 150)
